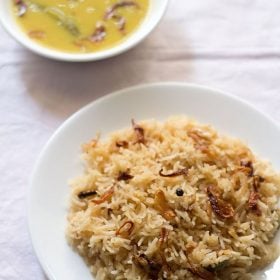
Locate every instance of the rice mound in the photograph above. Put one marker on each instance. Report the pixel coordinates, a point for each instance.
(173, 200)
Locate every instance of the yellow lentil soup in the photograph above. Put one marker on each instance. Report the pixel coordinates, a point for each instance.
(79, 26)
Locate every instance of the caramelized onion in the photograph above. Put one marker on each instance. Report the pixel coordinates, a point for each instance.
(163, 236)
(139, 132)
(92, 144)
(198, 135)
(200, 271)
(257, 180)
(179, 172)
(253, 203)
(248, 167)
(162, 205)
(169, 214)
(190, 246)
(126, 229)
(123, 144)
(221, 208)
(99, 34)
(152, 267)
(22, 7)
(107, 195)
(201, 141)
(255, 196)
(121, 22)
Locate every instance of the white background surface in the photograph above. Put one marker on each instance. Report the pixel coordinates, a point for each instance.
(233, 45)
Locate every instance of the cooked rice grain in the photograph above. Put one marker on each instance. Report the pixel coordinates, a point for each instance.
(140, 228)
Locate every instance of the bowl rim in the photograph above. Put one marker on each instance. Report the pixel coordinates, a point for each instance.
(131, 41)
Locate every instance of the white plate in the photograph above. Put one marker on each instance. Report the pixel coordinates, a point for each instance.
(60, 159)
(153, 17)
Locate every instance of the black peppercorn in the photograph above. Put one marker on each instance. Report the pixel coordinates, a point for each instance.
(179, 192)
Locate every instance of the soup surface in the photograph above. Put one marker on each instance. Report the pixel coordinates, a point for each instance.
(79, 25)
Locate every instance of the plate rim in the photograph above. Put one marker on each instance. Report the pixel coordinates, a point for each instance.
(85, 108)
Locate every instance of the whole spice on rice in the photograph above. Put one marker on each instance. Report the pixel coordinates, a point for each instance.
(179, 192)
(22, 7)
(126, 229)
(106, 196)
(123, 144)
(85, 194)
(179, 172)
(139, 132)
(124, 176)
(221, 208)
(162, 205)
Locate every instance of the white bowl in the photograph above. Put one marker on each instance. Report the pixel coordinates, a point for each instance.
(48, 196)
(155, 13)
